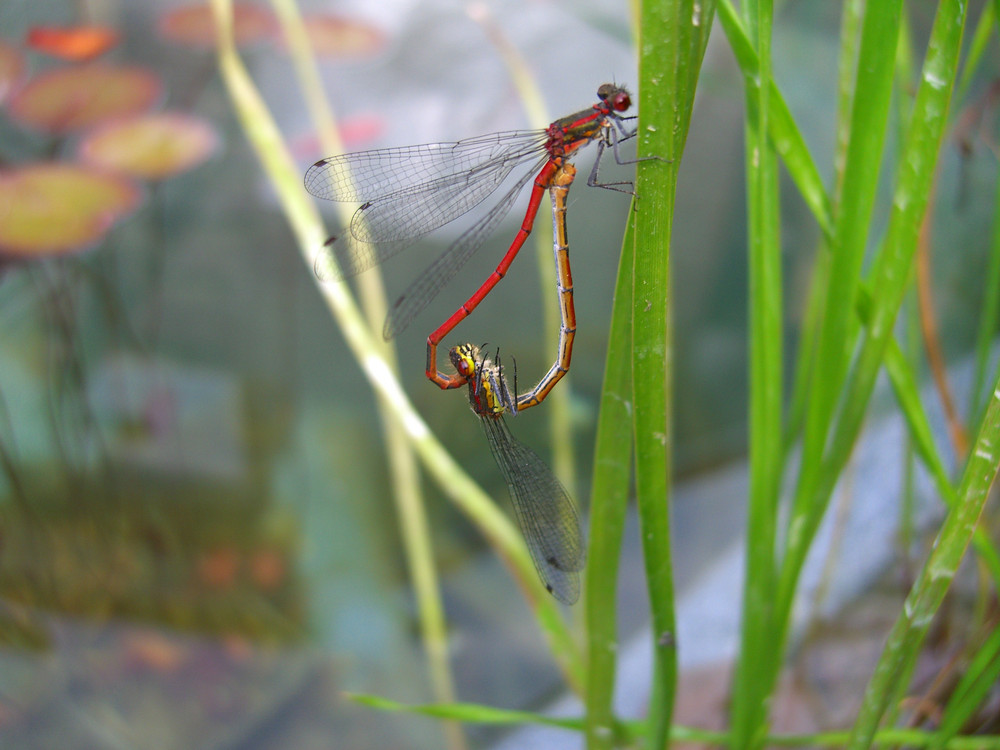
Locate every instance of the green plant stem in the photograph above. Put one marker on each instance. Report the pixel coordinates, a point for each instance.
(972, 690)
(673, 36)
(903, 644)
(766, 447)
(981, 38)
(890, 277)
(630, 730)
(609, 493)
(869, 116)
(786, 138)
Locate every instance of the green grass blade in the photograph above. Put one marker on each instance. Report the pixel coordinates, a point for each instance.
(627, 732)
(924, 599)
(979, 678)
(609, 503)
(907, 392)
(916, 171)
(854, 206)
(674, 34)
(819, 283)
(890, 276)
(786, 138)
(981, 39)
(472, 713)
(766, 445)
(989, 316)
(856, 198)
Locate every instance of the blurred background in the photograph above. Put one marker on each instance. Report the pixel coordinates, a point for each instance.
(197, 543)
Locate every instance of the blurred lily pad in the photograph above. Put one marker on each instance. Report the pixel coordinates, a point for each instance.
(150, 146)
(67, 99)
(194, 24)
(11, 69)
(336, 36)
(355, 133)
(54, 208)
(72, 43)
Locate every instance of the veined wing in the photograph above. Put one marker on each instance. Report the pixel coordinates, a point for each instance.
(368, 175)
(411, 191)
(544, 511)
(426, 286)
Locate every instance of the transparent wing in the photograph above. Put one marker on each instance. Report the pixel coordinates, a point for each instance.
(544, 511)
(367, 175)
(427, 285)
(410, 191)
(413, 213)
(344, 257)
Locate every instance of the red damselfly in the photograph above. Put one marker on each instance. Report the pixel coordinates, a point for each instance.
(544, 510)
(408, 192)
(559, 191)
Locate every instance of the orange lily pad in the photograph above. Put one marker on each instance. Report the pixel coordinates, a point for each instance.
(150, 146)
(11, 69)
(56, 208)
(194, 24)
(336, 36)
(72, 43)
(67, 99)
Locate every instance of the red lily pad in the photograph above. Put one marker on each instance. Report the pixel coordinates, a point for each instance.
(11, 69)
(336, 36)
(194, 24)
(72, 43)
(150, 146)
(67, 99)
(57, 208)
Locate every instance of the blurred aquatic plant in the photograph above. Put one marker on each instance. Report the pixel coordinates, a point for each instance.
(72, 43)
(68, 99)
(340, 37)
(150, 147)
(56, 208)
(11, 70)
(194, 25)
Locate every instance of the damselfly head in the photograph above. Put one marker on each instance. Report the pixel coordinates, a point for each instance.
(616, 96)
(489, 395)
(463, 358)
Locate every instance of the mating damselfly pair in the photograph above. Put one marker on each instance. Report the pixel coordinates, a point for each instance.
(408, 192)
